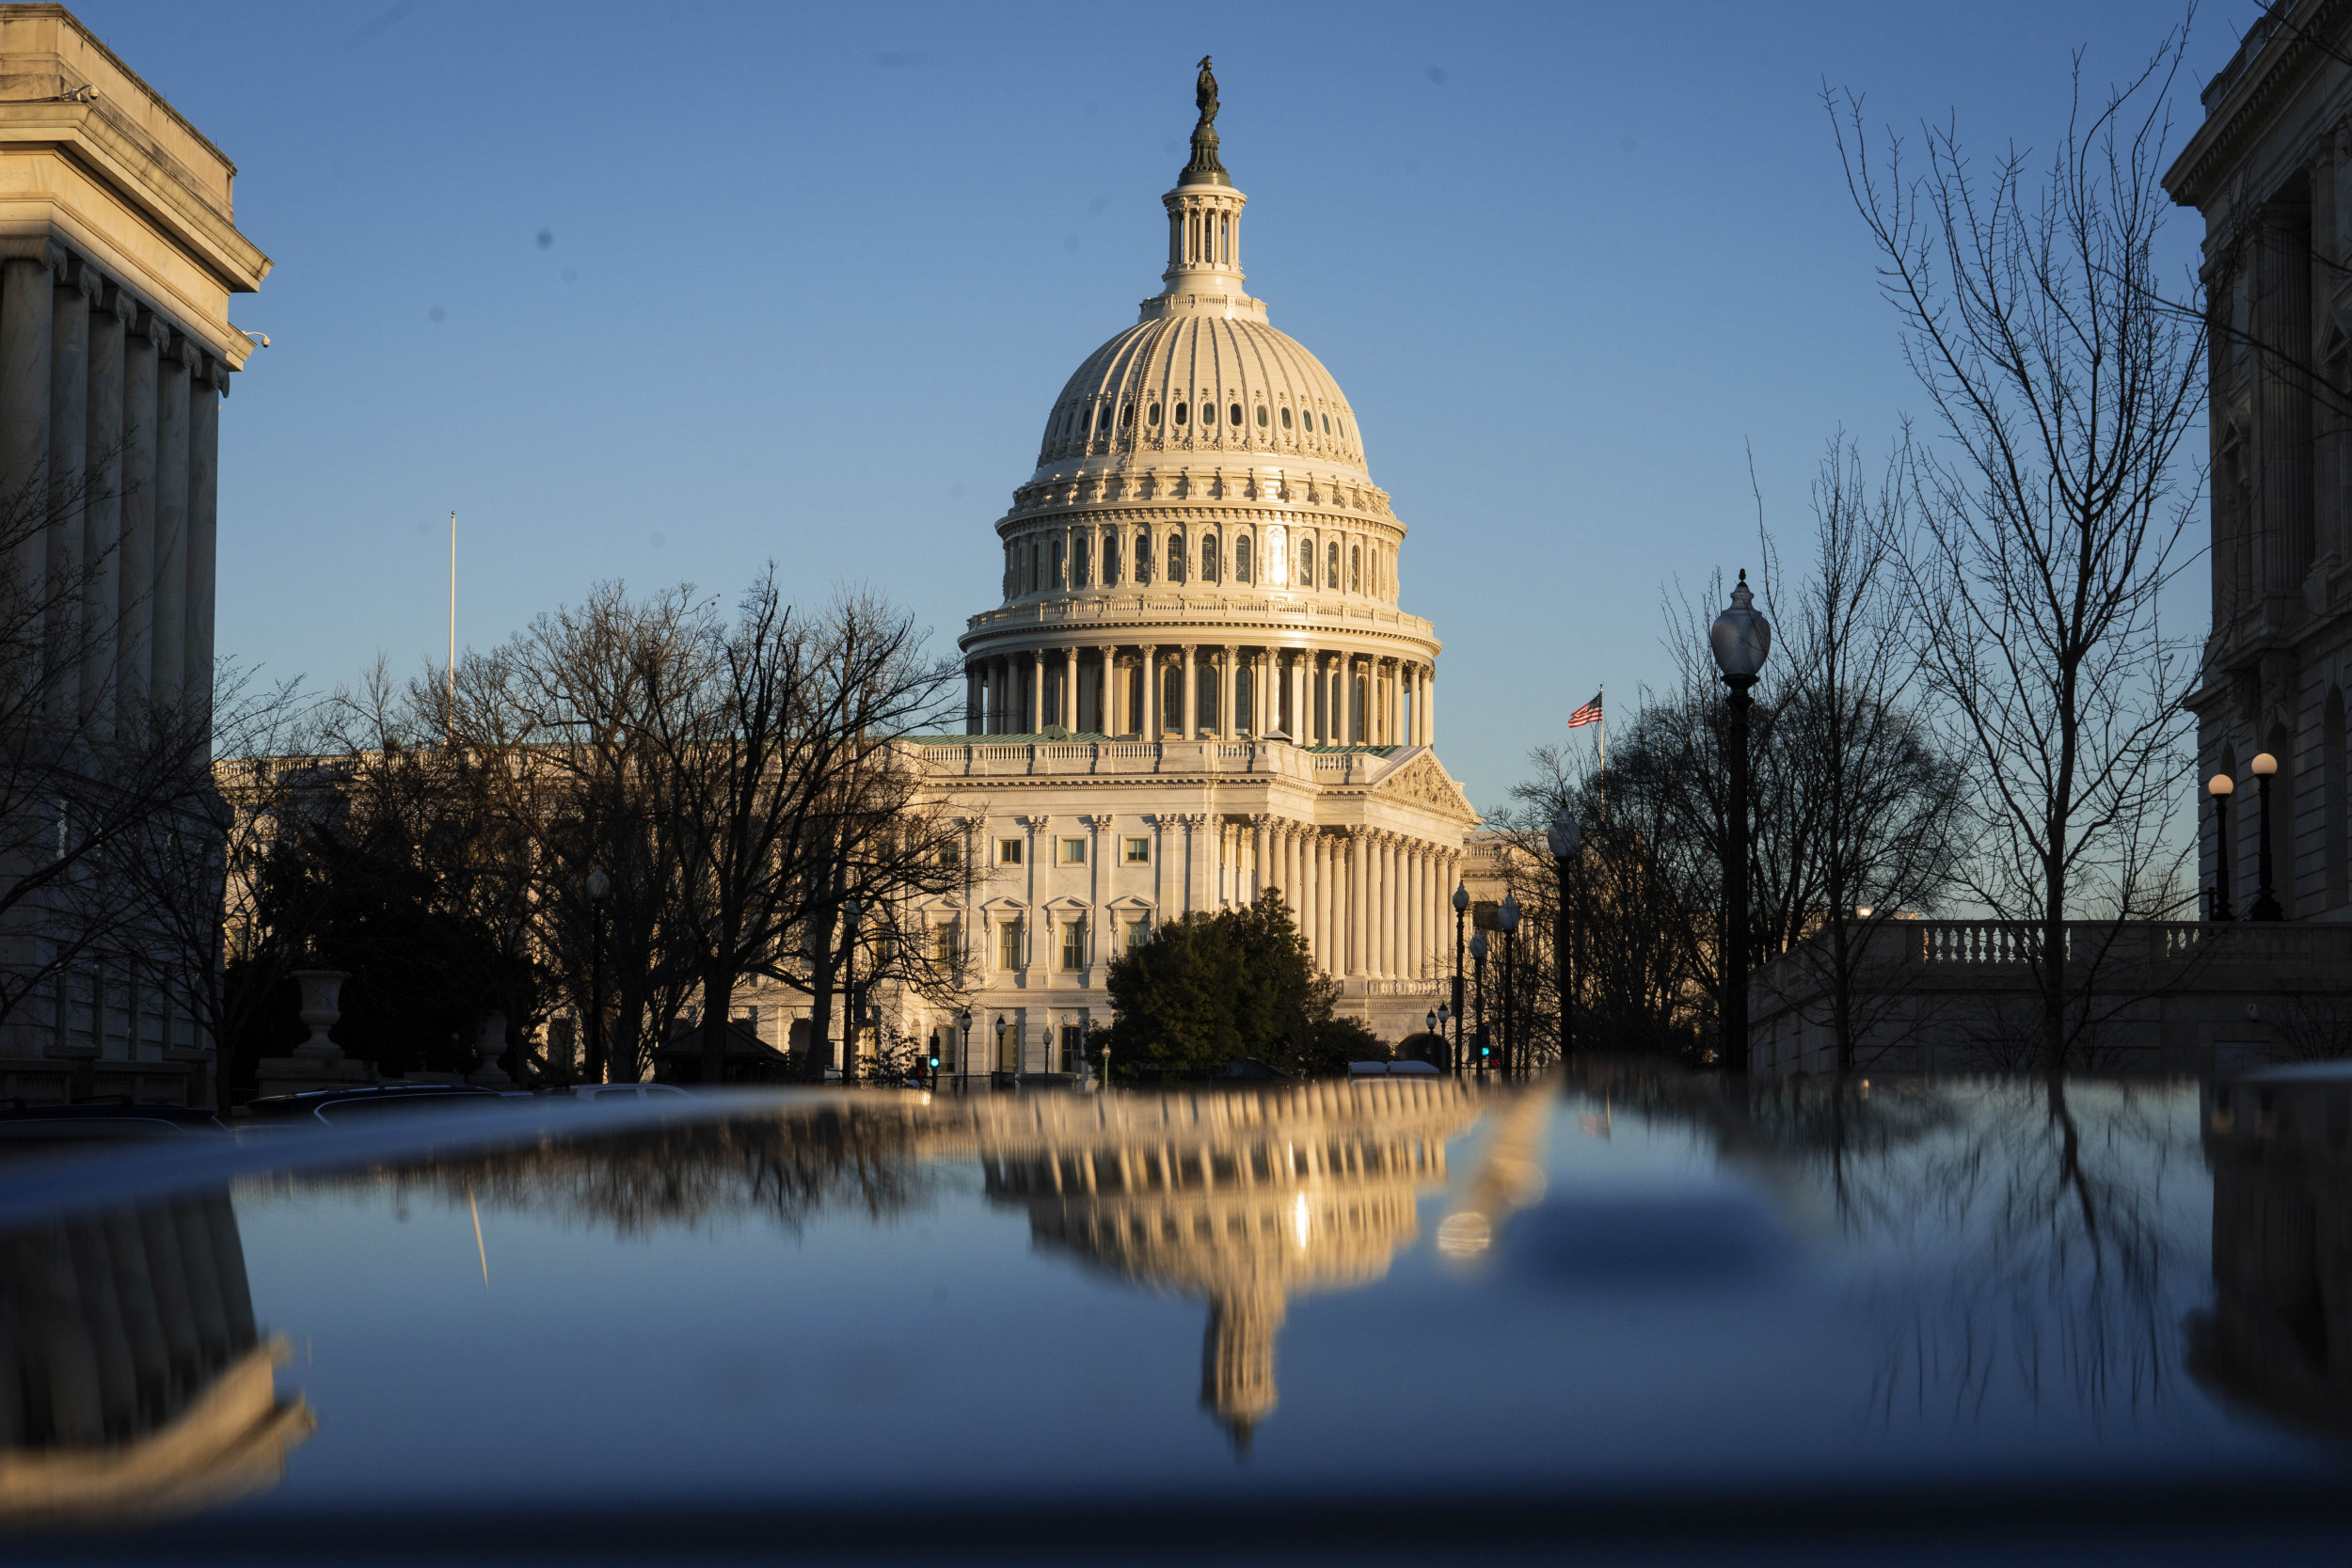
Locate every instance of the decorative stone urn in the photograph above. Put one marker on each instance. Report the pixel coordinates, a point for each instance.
(322, 1007)
(490, 1045)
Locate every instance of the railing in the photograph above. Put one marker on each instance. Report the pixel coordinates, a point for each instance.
(2000, 953)
(1137, 608)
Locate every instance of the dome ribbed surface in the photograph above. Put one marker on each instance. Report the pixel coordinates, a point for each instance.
(1193, 371)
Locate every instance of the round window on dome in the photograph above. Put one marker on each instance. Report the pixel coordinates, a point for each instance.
(1262, 416)
(1286, 418)
(1155, 416)
(1235, 412)
(1183, 412)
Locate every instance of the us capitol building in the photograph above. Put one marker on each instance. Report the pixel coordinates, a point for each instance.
(1200, 681)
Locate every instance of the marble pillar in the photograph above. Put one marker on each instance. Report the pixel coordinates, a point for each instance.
(1319, 899)
(1355, 940)
(171, 520)
(27, 310)
(68, 456)
(1150, 691)
(1034, 719)
(135, 559)
(1191, 693)
(1229, 657)
(205, 391)
(1258, 878)
(102, 510)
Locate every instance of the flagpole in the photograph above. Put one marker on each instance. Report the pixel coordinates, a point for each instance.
(453, 629)
(1600, 742)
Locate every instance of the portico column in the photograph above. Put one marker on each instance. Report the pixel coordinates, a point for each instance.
(69, 451)
(1191, 693)
(1034, 719)
(1293, 670)
(1352, 922)
(27, 311)
(1258, 877)
(972, 699)
(1389, 900)
(1150, 691)
(172, 521)
(101, 512)
(208, 386)
(136, 560)
(1319, 905)
(1228, 727)
(1417, 905)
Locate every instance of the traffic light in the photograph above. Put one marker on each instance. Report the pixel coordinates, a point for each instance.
(934, 1064)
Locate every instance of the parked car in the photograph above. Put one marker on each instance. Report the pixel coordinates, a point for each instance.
(344, 1107)
(1391, 1069)
(30, 1128)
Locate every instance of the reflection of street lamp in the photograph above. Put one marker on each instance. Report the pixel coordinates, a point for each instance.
(1514, 1045)
(2222, 787)
(1564, 837)
(2266, 897)
(1461, 907)
(599, 889)
(1740, 639)
(1478, 962)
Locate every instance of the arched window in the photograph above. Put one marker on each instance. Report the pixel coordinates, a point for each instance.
(1143, 557)
(1055, 578)
(1241, 559)
(1172, 699)
(1155, 417)
(2226, 836)
(1110, 560)
(1326, 424)
(1262, 416)
(1234, 415)
(1306, 562)
(1175, 557)
(1127, 415)
(1331, 564)
(1208, 412)
(1080, 555)
(2282, 868)
(1210, 557)
(1183, 413)
(1355, 568)
(1286, 417)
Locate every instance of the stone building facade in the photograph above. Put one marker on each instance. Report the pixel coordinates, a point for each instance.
(2270, 170)
(1200, 681)
(118, 254)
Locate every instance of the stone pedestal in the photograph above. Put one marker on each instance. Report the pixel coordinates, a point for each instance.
(490, 1045)
(317, 1063)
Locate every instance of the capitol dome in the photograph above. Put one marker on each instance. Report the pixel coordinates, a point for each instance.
(1200, 551)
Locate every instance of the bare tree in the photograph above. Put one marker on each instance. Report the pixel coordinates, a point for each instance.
(2051, 518)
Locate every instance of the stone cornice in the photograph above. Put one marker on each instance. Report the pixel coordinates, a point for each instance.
(1068, 620)
(2281, 61)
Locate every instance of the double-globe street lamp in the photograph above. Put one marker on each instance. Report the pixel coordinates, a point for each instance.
(1740, 639)
(1566, 837)
(2266, 897)
(1461, 908)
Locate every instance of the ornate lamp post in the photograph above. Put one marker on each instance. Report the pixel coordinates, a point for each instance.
(1740, 639)
(2266, 897)
(1514, 1042)
(851, 910)
(1566, 837)
(1478, 959)
(598, 887)
(1461, 908)
(963, 1052)
(2222, 787)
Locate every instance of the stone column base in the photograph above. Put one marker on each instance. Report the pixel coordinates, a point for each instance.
(295, 1074)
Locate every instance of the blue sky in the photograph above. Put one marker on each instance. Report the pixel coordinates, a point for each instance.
(661, 293)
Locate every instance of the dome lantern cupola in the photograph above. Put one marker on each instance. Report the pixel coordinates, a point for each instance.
(1203, 223)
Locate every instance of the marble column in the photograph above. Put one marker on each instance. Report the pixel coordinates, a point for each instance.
(27, 308)
(1034, 719)
(171, 520)
(101, 512)
(1355, 939)
(1429, 691)
(1228, 659)
(1257, 878)
(1191, 692)
(1417, 912)
(972, 699)
(135, 559)
(68, 456)
(1319, 906)
(1389, 903)
(1150, 691)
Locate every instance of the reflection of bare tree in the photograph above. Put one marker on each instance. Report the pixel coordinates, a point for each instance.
(783, 1169)
(2280, 1334)
(134, 1384)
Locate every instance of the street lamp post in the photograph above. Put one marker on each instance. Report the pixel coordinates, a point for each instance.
(2266, 897)
(1461, 908)
(1566, 837)
(1514, 1034)
(851, 910)
(2222, 787)
(599, 889)
(1478, 961)
(964, 1052)
(1740, 639)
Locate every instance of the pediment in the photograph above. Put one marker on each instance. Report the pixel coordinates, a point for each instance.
(1423, 781)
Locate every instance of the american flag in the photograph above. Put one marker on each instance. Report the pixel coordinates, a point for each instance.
(1588, 714)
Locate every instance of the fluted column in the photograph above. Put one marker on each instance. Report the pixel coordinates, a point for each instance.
(1228, 658)
(101, 511)
(1417, 906)
(69, 454)
(1390, 894)
(1150, 691)
(1354, 938)
(171, 520)
(1191, 693)
(1295, 682)
(27, 311)
(135, 559)
(1257, 878)
(1319, 906)
(211, 384)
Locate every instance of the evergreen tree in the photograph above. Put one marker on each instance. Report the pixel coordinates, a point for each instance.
(1238, 983)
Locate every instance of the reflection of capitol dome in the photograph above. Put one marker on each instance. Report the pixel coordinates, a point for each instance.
(1243, 1198)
